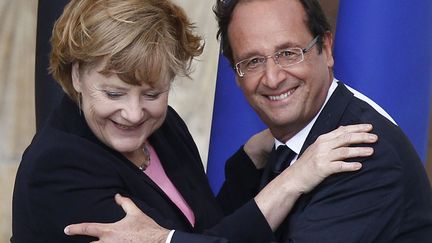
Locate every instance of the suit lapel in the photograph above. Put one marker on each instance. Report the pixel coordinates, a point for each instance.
(328, 120)
(330, 116)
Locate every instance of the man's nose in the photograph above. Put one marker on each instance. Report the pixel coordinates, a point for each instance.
(273, 73)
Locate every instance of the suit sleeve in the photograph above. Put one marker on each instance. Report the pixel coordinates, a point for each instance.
(363, 206)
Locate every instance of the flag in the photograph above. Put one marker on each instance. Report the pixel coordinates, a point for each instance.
(383, 48)
(234, 122)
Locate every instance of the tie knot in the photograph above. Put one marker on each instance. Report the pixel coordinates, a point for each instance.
(283, 157)
(279, 159)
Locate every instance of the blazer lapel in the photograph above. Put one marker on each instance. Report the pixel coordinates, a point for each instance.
(172, 159)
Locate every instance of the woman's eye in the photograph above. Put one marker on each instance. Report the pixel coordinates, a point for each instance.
(151, 96)
(113, 94)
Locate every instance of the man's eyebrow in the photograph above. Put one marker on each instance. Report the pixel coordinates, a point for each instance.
(279, 47)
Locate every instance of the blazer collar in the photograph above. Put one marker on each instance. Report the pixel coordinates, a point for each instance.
(69, 119)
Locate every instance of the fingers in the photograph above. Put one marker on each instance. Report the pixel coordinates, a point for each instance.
(358, 128)
(90, 229)
(340, 166)
(355, 138)
(340, 137)
(128, 205)
(343, 153)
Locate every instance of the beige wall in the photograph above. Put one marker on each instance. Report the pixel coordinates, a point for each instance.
(17, 126)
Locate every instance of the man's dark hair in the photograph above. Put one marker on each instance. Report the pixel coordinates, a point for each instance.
(316, 22)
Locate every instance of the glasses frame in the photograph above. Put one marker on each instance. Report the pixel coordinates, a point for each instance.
(275, 57)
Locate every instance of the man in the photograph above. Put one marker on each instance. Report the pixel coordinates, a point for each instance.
(282, 53)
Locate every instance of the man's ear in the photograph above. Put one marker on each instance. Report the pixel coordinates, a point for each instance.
(328, 48)
(76, 77)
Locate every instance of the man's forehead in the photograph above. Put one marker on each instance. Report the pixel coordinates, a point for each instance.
(259, 27)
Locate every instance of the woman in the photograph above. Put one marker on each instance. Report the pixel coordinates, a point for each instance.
(115, 133)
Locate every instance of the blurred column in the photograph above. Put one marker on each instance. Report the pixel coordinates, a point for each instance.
(47, 91)
(17, 126)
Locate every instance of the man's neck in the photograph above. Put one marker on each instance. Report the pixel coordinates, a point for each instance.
(296, 140)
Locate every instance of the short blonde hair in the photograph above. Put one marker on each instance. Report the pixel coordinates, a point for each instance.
(139, 40)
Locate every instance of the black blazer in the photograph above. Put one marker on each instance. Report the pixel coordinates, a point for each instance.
(388, 200)
(67, 176)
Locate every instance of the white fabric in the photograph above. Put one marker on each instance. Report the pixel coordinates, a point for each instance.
(170, 235)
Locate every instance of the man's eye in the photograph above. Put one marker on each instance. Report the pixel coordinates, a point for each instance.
(113, 94)
(254, 62)
(287, 53)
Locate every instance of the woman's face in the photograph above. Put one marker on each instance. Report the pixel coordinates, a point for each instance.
(121, 115)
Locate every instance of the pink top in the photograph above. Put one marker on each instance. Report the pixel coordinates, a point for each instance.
(156, 172)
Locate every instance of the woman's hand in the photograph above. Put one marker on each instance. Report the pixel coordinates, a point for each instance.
(258, 147)
(325, 156)
(321, 159)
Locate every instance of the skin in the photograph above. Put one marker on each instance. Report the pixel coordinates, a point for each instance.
(281, 24)
(122, 116)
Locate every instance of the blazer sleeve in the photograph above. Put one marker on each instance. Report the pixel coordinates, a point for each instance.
(181, 237)
(73, 178)
(241, 184)
(243, 221)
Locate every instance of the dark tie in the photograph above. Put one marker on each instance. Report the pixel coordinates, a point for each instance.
(279, 160)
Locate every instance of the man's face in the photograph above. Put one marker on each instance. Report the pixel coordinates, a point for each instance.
(287, 98)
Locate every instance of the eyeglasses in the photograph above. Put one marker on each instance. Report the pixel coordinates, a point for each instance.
(283, 58)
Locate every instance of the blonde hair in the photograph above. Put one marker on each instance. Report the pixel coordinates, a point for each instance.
(139, 40)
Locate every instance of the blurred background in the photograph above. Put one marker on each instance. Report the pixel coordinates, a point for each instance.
(192, 98)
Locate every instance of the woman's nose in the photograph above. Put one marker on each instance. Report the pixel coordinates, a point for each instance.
(132, 112)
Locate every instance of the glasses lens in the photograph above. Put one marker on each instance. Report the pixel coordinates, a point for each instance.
(251, 65)
(289, 56)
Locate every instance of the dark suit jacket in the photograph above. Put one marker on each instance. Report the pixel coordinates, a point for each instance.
(67, 176)
(388, 200)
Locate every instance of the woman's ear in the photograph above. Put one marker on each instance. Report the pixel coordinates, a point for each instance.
(76, 77)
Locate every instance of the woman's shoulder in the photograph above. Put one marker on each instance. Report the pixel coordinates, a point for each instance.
(54, 149)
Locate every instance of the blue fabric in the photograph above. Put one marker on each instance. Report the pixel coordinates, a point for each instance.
(384, 49)
(234, 121)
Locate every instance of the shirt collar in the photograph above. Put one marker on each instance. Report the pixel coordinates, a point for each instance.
(297, 141)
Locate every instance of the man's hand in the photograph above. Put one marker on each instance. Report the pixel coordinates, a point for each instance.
(135, 227)
(258, 148)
